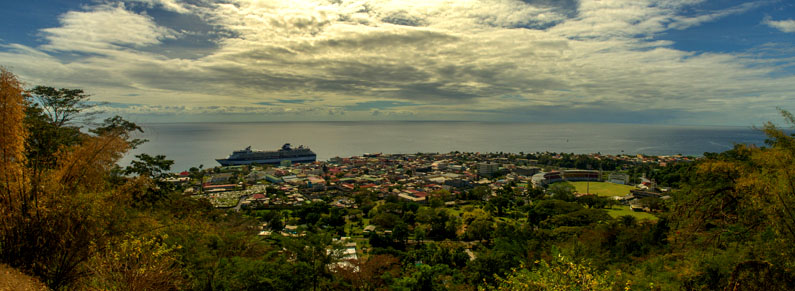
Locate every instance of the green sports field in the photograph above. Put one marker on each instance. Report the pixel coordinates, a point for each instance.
(602, 188)
(618, 211)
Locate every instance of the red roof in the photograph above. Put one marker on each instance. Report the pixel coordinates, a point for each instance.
(184, 174)
(258, 196)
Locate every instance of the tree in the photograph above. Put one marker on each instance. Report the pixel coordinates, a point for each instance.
(480, 229)
(118, 126)
(318, 252)
(368, 274)
(52, 116)
(53, 221)
(502, 201)
(535, 192)
(545, 209)
(480, 192)
(156, 167)
(562, 191)
(560, 273)
(62, 106)
(424, 277)
(46, 138)
(155, 171)
(386, 220)
(741, 198)
(400, 233)
(136, 263)
(581, 217)
(12, 134)
(275, 222)
(435, 202)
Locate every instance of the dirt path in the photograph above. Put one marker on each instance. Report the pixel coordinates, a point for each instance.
(13, 280)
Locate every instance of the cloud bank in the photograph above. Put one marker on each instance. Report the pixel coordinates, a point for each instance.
(438, 59)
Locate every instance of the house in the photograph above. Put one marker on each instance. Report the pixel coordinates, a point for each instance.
(255, 176)
(225, 187)
(273, 179)
(618, 178)
(641, 193)
(411, 197)
(221, 178)
(291, 229)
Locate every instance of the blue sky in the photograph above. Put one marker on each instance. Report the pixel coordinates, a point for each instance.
(630, 61)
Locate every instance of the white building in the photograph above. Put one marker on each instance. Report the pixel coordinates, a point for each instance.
(488, 169)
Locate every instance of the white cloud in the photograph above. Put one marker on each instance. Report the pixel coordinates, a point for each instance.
(783, 25)
(446, 57)
(170, 5)
(104, 27)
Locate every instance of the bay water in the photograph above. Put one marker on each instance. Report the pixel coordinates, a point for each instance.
(194, 144)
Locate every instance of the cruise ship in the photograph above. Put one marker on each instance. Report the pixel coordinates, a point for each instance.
(247, 156)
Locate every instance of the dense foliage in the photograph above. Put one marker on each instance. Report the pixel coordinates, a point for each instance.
(73, 218)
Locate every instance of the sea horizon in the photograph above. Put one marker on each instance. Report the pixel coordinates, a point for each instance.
(750, 126)
(191, 144)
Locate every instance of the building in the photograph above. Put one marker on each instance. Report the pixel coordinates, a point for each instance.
(642, 194)
(316, 183)
(488, 169)
(526, 171)
(582, 175)
(618, 178)
(255, 176)
(222, 178)
(273, 179)
(546, 178)
(411, 197)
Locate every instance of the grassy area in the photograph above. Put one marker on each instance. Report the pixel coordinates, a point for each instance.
(602, 188)
(618, 211)
(223, 199)
(455, 211)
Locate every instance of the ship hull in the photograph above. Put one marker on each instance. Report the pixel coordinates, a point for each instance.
(233, 162)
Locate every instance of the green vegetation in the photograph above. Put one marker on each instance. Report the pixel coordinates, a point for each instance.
(75, 220)
(618, 211)
(602, 188)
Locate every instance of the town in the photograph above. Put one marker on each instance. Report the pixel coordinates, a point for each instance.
(411, 177)
(358, 188)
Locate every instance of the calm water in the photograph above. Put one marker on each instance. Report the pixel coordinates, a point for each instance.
(192, 144)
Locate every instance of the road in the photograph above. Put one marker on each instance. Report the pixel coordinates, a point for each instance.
(240, 202)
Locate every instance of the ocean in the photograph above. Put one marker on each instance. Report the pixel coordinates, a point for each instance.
(194, 144)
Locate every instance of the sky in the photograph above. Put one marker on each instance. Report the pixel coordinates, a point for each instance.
(683, 62)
